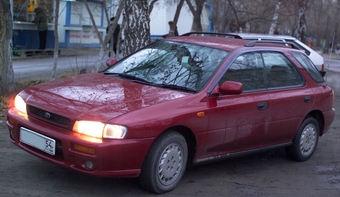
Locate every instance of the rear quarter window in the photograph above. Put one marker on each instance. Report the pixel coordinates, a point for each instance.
(308, 65)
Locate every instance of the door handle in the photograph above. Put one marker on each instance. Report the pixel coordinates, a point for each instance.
(262, 106)
(307, 99)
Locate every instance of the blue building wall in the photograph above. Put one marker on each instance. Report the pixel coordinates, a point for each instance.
(29, 39)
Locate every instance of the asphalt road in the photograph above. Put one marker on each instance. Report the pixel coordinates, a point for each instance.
(263, 175)
(40, 67)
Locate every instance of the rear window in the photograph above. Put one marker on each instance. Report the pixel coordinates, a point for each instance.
(309, 66)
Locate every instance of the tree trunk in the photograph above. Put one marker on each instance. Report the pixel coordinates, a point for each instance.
(103, 43)
(232, 7)
(105, 11)
(196, 25)
(174, 24)
(137, 25)
(56, 39)
(275, 18)
(302, 20)
(336, 27)
(93, 22)
(7, 85)
(152, 3)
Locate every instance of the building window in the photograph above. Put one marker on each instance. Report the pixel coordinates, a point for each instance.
(80, 15)
(23, 10)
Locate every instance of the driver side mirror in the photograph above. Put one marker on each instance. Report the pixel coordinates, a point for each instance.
(229, 88)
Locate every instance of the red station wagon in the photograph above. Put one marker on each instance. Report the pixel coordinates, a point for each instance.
(178, 102)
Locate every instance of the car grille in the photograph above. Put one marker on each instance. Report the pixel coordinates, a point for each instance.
(48, 116)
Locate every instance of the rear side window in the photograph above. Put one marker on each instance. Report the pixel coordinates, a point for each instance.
(280, 71)
(308, 66)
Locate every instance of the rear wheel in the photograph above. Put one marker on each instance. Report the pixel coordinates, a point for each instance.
(305, 141)
(165, 163)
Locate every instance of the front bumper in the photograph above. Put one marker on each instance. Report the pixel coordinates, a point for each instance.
(108, 158)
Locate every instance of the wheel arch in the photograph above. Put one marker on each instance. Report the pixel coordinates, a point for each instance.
(189, 138)
(317, 114)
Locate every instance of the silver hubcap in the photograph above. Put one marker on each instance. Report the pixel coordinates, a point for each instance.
(170, 164)
(308, 139)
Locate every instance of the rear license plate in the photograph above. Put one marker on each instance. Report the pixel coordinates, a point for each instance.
(37, 140)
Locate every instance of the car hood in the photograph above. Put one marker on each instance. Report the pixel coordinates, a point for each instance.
(95, 96)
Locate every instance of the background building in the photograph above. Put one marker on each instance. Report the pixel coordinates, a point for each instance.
(75, 28)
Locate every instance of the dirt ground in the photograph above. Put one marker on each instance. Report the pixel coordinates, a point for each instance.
(263, 175)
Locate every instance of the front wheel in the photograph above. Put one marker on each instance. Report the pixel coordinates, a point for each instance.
(165, 163)
(305, 141)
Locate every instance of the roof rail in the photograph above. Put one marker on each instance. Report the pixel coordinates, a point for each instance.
(253, 42)
(202, 33)
(249, 44)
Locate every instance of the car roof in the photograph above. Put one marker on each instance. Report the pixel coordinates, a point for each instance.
(261, 36)
(222, 41)
(215, 42)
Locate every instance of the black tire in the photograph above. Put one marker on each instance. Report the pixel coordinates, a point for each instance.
(165, 163)
(305, 141)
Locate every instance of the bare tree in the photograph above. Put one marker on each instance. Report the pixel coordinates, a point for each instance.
(56, 39)
(152, 3)
(174, 24)
(105, 10)
(93, 21)
(236, 17)
(196, 10)
(103, 42)
(302, 23)
(243, 15)
(137, 25)
(222, 16)
(111, 30)
(336, 26)
(6, 68)
(275, 18)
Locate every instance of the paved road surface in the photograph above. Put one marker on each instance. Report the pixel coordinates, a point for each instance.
(40, 67)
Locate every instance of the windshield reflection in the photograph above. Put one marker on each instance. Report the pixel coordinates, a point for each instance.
(172, 63)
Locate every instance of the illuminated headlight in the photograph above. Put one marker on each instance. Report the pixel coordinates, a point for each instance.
(114, 131)
(20, 104)
(100, 130)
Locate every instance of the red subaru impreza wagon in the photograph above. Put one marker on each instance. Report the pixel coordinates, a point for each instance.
(175, 103)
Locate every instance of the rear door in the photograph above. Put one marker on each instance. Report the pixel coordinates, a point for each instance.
(290, 99)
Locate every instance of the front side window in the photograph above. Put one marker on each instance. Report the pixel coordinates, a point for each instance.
(172, 64)
(247, 69)
(309, 66)
(280, 71)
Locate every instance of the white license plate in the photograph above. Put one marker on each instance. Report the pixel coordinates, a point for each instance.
(37, 140)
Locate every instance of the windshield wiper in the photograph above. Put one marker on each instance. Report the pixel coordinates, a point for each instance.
(176, 87)
(132, 77)
(140, 80)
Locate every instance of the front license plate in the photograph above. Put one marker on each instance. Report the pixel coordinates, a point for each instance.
(37, 140)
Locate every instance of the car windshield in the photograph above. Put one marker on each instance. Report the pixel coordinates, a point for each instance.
(172, 65)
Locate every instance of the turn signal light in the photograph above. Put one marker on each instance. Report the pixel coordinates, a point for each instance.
(200, 114)
(84, 149)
